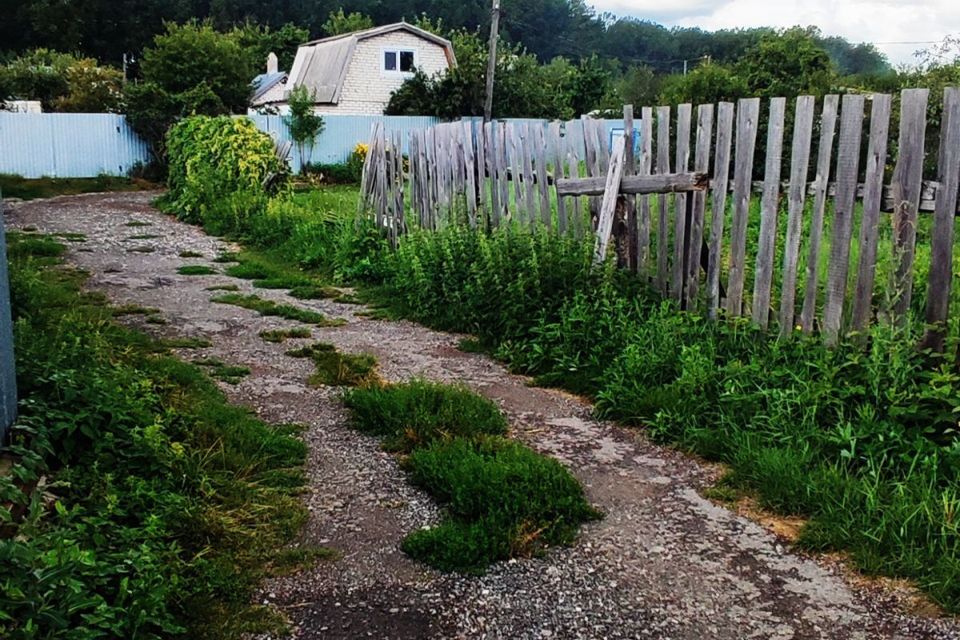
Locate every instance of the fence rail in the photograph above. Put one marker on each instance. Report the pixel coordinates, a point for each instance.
(817, 269)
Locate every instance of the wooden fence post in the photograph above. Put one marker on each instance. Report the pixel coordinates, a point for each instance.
(941, 253)
(769, 212)
(907, 179)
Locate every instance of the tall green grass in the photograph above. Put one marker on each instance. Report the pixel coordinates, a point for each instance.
(860, 440)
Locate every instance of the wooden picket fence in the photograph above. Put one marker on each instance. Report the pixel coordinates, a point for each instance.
(672, 221)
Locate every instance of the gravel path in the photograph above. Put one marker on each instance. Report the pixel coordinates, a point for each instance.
(664, 563)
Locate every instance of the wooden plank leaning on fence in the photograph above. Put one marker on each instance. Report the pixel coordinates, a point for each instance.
(799, 170)
(907, 179)
(769, 212)
(609, 205)
(721, 167)
(748, 113)
(941, 251)
(848, 167)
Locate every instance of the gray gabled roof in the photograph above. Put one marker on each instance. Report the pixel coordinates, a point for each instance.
(264, 82)
(322, 64)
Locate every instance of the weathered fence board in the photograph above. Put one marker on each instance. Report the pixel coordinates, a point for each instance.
(725, 115)
(701, 165)
(680, 212)
(907, 178)
(941, 250)
(828, 127)
(848, 166)
(748, 114)
(663, 224)
(799, 170)
(870, 220)
(769, 212)
(646, 167)
(610, 195)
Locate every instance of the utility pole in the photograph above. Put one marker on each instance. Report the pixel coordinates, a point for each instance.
(492, 62)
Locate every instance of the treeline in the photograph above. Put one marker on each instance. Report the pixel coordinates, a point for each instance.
(108, 29)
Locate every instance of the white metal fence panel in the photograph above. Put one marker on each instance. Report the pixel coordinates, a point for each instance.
(68, 145)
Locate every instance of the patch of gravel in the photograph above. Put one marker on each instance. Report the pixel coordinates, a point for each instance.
(664, 563)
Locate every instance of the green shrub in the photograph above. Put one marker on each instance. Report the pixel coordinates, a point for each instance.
(419, 412)
(218, 169)
(502, 500)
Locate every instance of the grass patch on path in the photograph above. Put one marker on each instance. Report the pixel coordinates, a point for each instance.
(280, 335)
(335, 369)
(501, 499)
(218, 369)
(270, 308)
(196, 270)
(14, 186)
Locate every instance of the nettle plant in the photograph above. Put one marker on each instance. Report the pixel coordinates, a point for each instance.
(222, 171)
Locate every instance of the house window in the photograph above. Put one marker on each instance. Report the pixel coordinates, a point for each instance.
(399, 60)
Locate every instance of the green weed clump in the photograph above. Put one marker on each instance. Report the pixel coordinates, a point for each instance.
(196, 270)
(501, 499)
(418, 413)
(190, 254)
(281, 335)
(231, 374)
(270, 308)
(162, 506)
(335, 369)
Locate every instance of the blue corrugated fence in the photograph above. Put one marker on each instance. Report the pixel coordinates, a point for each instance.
(68, 145)
(84, 145)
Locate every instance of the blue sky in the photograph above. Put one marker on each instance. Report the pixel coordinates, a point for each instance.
(885, 22)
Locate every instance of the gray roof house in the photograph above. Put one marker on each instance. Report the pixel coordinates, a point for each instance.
(355, 73)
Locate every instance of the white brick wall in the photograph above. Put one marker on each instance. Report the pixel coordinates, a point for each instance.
(367, 88)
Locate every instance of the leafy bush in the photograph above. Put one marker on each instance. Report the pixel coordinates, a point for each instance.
(218, 168)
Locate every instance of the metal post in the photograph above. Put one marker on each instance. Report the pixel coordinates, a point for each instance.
(492, 62)
(8, 388)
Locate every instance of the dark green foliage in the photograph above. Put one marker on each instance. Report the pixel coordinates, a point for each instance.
(344, 173)
(196, 270)
(163, 505)
(280, 335)
(315, 292)
(224, 287)
(190, 254)
(37, 247)
(270, 308)
(418, 413)
(502, 500)
(335, 369)
(190, 69)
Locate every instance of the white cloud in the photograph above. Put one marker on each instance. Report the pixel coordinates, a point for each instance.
(880, 21)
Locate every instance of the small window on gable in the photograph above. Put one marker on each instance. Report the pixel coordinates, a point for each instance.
(389, 60)
(399, 60)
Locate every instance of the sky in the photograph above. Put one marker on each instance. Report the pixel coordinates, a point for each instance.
(883, 22)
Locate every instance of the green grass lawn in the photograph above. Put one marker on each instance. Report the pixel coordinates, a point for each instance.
(12, 186)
